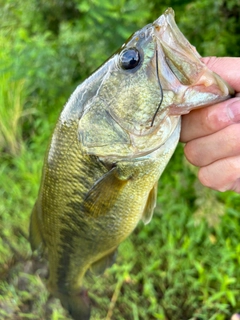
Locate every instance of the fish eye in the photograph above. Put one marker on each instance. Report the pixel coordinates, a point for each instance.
(129, 58)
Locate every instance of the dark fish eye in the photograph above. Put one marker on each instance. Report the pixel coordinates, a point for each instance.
(129, 58)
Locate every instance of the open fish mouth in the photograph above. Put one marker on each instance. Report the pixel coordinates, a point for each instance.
(182, 70)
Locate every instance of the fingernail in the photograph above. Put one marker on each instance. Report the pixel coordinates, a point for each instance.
(234, 110)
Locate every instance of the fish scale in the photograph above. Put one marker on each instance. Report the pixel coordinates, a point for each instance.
(111, 144)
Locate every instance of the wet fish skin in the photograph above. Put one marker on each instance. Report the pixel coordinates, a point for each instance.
(112, 141)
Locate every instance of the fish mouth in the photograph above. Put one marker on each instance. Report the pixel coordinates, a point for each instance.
(167, 31)
(182, 71)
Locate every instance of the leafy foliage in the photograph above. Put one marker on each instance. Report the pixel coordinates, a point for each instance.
(185, 263)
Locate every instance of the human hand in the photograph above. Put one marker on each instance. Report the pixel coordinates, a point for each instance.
(212, 134)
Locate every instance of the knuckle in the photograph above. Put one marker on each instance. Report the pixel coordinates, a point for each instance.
(209, 179)
(213, 120)
(222, 175)
(236, 186)
(210, 120)
(204, 177)
(232, 137)
(190, 153)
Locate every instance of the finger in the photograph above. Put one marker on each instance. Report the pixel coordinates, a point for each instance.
(227, 68)
(203, 151)
(205, 121)
(222, 175)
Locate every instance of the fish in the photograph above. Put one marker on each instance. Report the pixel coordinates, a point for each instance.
(112, 141)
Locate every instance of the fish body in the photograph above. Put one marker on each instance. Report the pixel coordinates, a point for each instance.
(111, 143)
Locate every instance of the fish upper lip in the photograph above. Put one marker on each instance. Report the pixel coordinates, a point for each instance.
(168, 33)
(164, 18)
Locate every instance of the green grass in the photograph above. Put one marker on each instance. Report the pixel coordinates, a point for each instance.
(11, 111)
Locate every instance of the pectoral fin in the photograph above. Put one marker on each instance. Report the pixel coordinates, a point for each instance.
(107, 261)
(150, 205)
(104, 194)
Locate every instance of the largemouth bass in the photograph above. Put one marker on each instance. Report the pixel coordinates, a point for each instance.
(111, 143)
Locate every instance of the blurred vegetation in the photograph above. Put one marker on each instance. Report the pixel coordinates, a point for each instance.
(185, 263)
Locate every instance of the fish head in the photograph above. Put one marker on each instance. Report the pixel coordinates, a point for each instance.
(143, 89)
